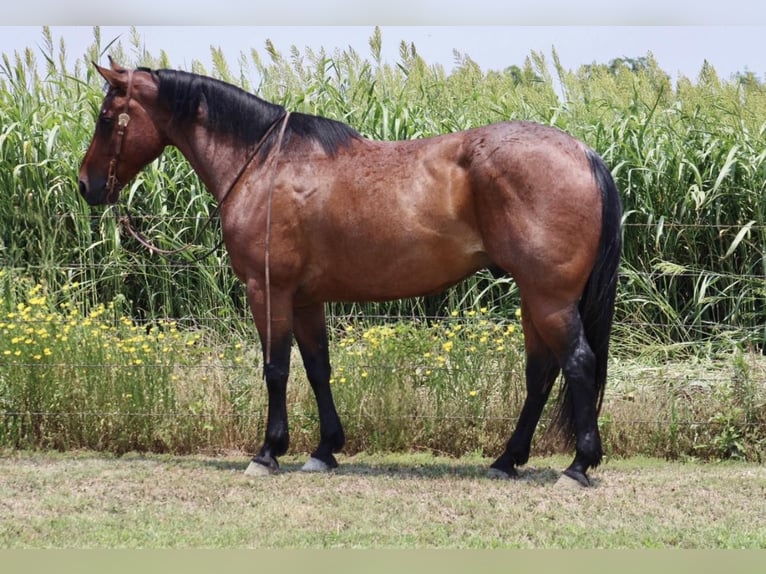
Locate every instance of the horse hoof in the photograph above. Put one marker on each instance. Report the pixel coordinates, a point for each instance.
(572, 481)
(257, 469)
(497, 474)
(316, 465)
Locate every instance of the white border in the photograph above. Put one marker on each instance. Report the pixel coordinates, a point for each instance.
(385, 12)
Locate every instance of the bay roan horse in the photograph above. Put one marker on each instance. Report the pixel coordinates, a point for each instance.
(312, 212)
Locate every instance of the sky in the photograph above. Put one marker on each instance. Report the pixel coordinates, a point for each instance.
(679, 50)
(680, 34)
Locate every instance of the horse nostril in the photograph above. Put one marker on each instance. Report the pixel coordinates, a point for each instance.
(83, 188)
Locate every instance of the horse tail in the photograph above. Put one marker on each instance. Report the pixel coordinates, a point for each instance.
(596, 305)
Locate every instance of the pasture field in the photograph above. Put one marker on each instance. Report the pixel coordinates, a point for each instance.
(107, 350)
(89, 500)
(99, 380)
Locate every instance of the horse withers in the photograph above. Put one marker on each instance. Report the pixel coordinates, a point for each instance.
(313, 212)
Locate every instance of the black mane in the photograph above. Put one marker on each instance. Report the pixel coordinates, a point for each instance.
(240, 114)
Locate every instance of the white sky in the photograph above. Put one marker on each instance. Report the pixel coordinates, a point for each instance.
(681, 34)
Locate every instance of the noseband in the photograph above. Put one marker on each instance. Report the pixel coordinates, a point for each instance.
(122, 124)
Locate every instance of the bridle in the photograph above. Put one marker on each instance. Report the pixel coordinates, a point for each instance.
(122, 125)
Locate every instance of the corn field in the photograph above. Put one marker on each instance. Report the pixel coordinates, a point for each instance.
(688, 157)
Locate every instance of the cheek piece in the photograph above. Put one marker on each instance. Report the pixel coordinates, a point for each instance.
(112, 183)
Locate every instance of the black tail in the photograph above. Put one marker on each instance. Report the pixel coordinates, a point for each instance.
(597, 301)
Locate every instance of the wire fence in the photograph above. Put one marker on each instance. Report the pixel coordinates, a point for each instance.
(685, 380)
(302, 416)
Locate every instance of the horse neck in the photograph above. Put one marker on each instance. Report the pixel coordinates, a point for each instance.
(215, 158)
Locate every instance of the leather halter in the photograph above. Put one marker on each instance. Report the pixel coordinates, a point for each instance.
(122, 124)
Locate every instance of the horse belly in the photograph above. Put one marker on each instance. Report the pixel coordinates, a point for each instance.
(406, 267)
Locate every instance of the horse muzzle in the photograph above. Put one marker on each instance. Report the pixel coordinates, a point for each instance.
(100, 194)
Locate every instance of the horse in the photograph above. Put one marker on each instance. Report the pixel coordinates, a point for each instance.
(313, 212)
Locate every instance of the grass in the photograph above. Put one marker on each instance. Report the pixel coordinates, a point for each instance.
(88, 500)
(72, 379)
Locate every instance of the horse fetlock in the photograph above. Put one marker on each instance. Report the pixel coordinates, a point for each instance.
(276, 445)
(337, 440)
(589, 449)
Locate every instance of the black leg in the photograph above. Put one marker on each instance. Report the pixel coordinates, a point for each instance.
(276, 335)
(554, 339)
(276, 374)
(579, 371)
(541, 370)
(311, 335)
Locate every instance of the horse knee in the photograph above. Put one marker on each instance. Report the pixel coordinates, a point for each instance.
(275, 375)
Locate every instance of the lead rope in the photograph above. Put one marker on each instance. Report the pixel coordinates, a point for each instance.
(267, 246)
(127, 222)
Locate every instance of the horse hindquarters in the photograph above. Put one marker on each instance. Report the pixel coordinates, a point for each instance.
(567, 279)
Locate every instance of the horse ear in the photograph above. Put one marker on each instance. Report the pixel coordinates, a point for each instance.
(112, 76)
(115, 66)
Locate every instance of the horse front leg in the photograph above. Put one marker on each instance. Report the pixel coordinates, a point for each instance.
(275, 332)
(311, 335)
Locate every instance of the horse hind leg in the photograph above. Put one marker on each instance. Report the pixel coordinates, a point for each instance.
(578, 412)
(577, 403)
(541, 371)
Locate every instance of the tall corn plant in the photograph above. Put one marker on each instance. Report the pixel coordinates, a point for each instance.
(689, 163)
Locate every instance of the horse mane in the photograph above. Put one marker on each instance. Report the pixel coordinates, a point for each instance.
(242, 115)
